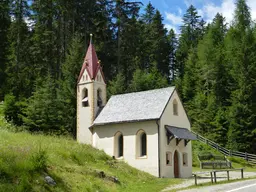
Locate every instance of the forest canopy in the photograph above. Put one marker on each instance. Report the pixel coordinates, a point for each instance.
(212, 65)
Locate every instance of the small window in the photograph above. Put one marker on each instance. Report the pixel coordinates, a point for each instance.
(85, 100)
(83, 77)
(99, 98)
(175, 107)
(141, 144)
(119, 145)
(185, 159)
(86, 77)
(168, 158)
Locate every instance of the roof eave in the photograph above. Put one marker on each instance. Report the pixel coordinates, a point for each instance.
(119, 122)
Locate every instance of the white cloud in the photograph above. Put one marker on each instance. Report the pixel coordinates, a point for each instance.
(187, 3)
(179, 10)
(174, 19)
(252, 5)
(227, 9)
(208, 11)
(169, 27)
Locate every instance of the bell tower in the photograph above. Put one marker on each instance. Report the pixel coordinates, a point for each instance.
(91, 94)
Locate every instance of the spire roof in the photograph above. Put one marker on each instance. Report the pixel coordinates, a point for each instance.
(91, 63)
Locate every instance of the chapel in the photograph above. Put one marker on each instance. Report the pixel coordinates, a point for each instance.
(150, 130)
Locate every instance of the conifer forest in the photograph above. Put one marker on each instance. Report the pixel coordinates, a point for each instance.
(213, 65)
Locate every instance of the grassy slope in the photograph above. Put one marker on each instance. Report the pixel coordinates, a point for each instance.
(73, 166)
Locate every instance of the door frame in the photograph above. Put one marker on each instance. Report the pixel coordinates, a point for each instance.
(176, 164)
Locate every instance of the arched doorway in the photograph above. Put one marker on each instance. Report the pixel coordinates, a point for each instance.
(176, 164)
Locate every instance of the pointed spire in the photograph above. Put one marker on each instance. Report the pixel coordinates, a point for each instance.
(90, 38)
(91, 62)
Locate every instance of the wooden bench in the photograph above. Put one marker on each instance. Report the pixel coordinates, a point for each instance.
(213, 161)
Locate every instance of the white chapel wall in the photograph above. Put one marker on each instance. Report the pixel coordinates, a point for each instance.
(182, 121)
(103, 138)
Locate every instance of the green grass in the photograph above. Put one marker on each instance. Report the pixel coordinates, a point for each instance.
(25, 160)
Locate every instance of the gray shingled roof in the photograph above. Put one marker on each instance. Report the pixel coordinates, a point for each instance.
(137, 106)
(181, 133)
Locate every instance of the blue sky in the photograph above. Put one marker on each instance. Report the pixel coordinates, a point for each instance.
(173, 10)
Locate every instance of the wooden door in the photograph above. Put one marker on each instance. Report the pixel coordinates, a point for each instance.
(176, 164)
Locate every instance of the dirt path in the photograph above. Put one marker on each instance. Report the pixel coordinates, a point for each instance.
(204, 178)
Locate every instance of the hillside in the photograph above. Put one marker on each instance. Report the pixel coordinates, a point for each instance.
(26, 159)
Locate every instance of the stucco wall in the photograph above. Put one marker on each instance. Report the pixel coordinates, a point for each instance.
(86, 115)
(182, 121)
(103, 138)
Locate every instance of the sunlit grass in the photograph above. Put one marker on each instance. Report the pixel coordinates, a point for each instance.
(25, 160)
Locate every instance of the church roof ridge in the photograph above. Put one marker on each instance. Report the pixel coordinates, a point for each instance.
(151, 90)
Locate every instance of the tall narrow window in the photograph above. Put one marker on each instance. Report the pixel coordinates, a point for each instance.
(99, 98)
(85, 101)
(175, 107)
(119, 145)
(141, 144)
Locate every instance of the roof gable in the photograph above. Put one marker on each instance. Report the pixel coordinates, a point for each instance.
(138, 106)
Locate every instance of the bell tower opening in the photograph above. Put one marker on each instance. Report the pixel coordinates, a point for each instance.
(85, 101)
(99, 97)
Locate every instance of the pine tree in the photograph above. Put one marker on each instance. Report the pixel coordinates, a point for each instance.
(143, 81)
(44, 112)
(172, 57)
(67, 91)
(4, 25)
(19, 72)
(205, 85)
(191, 32)
(240, 47)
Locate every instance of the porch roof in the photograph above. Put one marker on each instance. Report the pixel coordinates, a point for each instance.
(180, 133)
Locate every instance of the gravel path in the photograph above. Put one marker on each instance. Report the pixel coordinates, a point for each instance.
(204, 178)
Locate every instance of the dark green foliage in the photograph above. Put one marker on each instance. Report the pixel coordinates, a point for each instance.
(66, 95)
(14, 109)
(43, 46)
(143, 81)
(4, 25)
(116, 86)
(44, 112)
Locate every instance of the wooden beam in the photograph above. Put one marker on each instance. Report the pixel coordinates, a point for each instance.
(170, 138)
(178, 141)
(186, 141)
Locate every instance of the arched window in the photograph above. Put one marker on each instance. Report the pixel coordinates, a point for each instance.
(99, 98)
(141, 144)
(85, 101)
(119, 145)
(175, 107)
